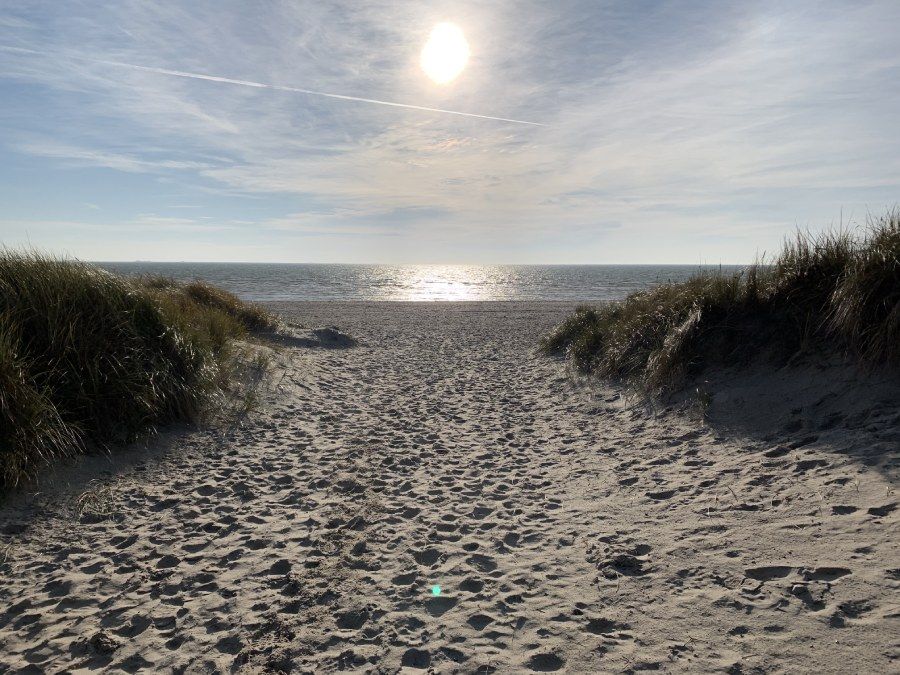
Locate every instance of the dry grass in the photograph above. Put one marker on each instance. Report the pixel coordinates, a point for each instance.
(87, 357)
(836, 291)
(97, 501)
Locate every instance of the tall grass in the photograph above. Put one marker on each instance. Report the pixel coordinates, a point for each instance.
(835, 291)
(87, 357)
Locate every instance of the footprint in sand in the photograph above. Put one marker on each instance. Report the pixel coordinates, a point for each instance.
(437, 606)
(768, 573)
(471, 585)
(405, 579)
(416, 658)
(546, 662)
(602, 626)
(352, 620)
(825, 573)
(484, 563)
(168, 561)
(843, 510)
(881, 511)
(427, 557)
(479, 621)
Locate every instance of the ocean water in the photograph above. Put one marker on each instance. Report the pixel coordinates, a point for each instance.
(252, 281)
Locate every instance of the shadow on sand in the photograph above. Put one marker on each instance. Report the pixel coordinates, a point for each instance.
(828, 404)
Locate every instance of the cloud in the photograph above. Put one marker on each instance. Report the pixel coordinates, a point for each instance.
(76, 156)
(260, 85)
(680, 120)
(310, 92)
(149, 222)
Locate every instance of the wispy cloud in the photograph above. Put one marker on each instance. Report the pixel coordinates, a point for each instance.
(79, 156)
(148, 222)
(260, 85)
(669, 130)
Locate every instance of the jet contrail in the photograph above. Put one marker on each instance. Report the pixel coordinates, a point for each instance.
(276, 87)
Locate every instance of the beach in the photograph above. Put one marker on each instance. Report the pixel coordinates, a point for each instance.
(441, 497)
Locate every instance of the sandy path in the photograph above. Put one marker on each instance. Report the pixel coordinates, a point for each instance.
(566, 531)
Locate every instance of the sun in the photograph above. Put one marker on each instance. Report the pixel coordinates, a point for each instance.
(445, 54)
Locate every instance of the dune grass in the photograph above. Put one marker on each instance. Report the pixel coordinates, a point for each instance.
(838, 291)
(90, 358)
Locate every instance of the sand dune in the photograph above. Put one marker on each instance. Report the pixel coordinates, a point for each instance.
(569, 527)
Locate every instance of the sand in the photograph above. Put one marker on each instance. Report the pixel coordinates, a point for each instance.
(569, 525)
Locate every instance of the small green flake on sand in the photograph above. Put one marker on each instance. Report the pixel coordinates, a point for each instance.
(435, 590)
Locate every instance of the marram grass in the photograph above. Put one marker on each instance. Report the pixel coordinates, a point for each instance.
(91, 358)
(838, 291)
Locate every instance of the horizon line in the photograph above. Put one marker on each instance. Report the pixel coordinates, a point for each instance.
(420, 264)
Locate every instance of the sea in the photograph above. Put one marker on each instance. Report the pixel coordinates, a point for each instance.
(423, 283)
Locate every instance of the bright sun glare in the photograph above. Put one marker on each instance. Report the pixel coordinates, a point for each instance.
(445, 54)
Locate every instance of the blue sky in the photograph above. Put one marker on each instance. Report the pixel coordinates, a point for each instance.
(671, 131)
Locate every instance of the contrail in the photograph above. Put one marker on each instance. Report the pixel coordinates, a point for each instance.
(276, 87)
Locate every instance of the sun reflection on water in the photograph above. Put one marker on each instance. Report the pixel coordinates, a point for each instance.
(277, 281)
(440, 282)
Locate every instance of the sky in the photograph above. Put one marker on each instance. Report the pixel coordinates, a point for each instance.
(660, 132)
